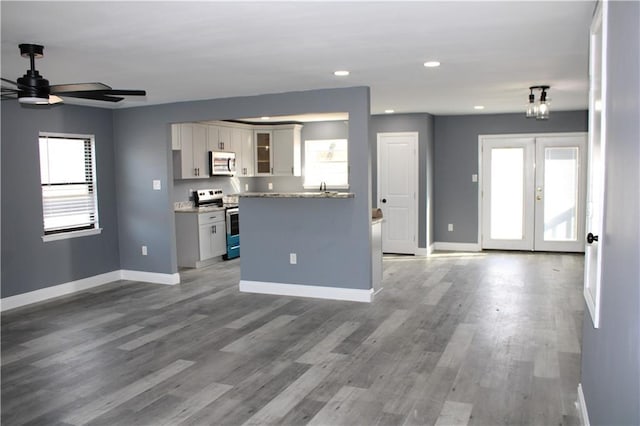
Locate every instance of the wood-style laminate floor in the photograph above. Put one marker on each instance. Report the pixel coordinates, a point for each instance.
(479, 339)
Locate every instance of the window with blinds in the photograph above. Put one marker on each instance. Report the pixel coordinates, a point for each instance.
(67, 170)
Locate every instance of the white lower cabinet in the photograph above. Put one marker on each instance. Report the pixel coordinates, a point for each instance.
(201, 238)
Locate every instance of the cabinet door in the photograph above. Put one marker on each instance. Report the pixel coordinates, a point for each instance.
(224, 139)
(218, 239)
(186, 152)
(200, 154)
(212, 138)
(263, 152)
(283, 152)
(247, 153)
(175, 137)
(205, 237)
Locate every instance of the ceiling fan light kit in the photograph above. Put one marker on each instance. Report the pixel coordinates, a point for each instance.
(538, 110)
(33, 88)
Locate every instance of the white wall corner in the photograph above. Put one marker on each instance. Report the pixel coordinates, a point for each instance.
(150, 277)
(312, 291)
(472, 247)
(581, 405)
(48, 293)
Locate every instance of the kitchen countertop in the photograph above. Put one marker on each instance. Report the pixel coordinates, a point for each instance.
(208, 209)
(327, 194)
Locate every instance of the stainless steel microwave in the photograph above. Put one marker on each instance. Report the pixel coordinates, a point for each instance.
(222, 163)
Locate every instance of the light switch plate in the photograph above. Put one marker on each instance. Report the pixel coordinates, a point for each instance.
(293, 258)
(156, 185)
(474, 178)
(270, 185)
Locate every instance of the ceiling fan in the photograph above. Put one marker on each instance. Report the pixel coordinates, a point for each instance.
(32, 88)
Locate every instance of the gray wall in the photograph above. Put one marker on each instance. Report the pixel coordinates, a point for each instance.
(28, 263)
(424, 125)
(143, 153)
(456, 159)
(610, 354)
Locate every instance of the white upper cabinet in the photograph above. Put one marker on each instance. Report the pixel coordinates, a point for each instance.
(260, 151)
(175, 137)
(242, 142)
(193, 151)
(263, 151)
(219, 138)
(286, 150)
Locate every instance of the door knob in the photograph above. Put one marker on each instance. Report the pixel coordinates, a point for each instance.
(591, 238)
(384, 200)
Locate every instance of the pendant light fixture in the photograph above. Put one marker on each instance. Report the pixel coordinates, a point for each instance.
(540, 109)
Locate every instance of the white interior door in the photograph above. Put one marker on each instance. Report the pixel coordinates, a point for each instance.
(595, 184)
(507, 204)
(560, 193)
(533, 192)
(397, 191)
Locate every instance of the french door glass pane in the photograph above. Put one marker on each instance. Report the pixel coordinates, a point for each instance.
(561, 194)
(507, 193)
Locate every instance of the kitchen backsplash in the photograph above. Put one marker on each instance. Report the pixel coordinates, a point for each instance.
(183, 188)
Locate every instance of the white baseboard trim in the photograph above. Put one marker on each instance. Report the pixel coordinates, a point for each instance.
(457, 246)
(47, 293)
(582, 406)
(430, 249)
(83, 284)
(150, 277)
(316, 292)
(421, 251)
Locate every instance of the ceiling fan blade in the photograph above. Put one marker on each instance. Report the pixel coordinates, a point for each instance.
(57, 89)
(53, 99)
(126, 92)
(95, 95)
(12, 83)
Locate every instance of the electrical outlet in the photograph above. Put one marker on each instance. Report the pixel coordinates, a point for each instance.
(246, 186)
(144, 250)
(270, 186)
(474, 178)
(293, 258)
(450, 227)
(156, 185)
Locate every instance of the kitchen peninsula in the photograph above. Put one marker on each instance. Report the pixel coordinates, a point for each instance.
(302, 244)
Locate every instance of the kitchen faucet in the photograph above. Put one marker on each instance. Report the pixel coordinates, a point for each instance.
(323, 186)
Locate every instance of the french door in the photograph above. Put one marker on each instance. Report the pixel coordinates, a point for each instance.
(533, 192)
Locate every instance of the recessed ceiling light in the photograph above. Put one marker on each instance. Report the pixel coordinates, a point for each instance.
(432, 64)
(265, 118)
(341, 73)
(389, 111)
(478, 107)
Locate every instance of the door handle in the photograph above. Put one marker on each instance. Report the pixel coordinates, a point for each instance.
(591, 238)
(384, 200)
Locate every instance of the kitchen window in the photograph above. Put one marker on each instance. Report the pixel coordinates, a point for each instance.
(68, 181)
(326, 161)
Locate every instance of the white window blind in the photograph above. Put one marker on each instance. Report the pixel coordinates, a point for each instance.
(67, 170)
(326, 161)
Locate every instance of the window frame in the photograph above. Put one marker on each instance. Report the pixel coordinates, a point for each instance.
(79, 231)
(306, 185)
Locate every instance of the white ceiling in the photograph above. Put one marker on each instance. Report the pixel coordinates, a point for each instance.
(491, 52)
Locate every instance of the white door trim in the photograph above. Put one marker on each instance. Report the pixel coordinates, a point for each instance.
(481, 138)
(416, 169)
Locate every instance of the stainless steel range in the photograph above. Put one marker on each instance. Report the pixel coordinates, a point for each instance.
(207, 197)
